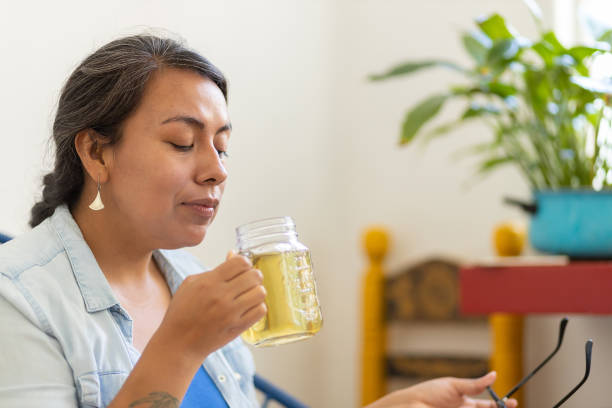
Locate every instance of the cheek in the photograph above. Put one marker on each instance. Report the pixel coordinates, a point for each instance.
(149, 180)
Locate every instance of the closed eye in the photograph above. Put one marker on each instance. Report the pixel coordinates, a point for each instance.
(182, 148)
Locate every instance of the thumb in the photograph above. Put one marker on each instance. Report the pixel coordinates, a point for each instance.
(230, 255)
(474, 386)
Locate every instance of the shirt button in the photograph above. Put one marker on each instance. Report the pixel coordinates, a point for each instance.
(221, 378)
(237, 376)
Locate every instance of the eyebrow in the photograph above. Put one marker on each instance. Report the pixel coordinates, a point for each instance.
(190, 120)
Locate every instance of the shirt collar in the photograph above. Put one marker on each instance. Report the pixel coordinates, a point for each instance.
(95, 289)
(173, 277)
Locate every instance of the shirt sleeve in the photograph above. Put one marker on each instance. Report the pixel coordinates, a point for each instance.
(33, 370)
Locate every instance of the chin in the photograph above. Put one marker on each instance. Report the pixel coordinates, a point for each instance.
(184, 238)
(194, 237)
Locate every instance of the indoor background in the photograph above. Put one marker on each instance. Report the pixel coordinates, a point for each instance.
(315, 140)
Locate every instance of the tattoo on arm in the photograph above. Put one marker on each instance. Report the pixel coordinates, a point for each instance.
(157, 400)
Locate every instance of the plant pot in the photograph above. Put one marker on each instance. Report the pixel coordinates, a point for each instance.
(577, 223)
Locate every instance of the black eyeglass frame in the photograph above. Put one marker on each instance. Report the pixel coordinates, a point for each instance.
(588, 354)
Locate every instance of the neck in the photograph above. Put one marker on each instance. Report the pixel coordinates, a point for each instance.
(119, 252)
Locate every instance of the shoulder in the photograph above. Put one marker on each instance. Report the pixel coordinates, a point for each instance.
(35, 248)
(36, 275)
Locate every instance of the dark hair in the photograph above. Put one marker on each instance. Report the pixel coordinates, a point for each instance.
(100, 94)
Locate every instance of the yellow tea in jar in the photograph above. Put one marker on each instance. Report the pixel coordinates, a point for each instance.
(293, 311)
(293, 308)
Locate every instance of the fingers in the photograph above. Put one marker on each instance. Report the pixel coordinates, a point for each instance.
(475, 403)
(233, 267)
(251, 298)
(511, 403)
(483, 403)
(230, 255)
(245, 282)
(478, 403)
(255, 312)
(474, 386)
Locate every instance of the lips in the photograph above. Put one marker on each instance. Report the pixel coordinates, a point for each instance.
(205, 207)
(204, 202)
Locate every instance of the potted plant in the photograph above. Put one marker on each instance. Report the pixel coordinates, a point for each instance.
(548, 116)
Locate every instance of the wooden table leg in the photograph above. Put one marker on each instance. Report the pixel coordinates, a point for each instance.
(507, 353)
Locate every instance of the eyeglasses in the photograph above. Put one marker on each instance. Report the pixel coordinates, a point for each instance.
(588, 352)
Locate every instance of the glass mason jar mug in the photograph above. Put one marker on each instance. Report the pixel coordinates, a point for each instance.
(293, 306)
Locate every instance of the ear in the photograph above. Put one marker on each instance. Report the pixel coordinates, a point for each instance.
(90, 147)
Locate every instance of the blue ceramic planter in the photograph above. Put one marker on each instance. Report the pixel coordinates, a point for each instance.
(577, 223)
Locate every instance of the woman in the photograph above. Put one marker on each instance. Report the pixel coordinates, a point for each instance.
(98, 306)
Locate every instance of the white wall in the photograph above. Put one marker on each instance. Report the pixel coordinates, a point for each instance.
(421, 194)
(312, 140)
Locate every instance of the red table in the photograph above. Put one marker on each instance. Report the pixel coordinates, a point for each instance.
(578, 287)
(509, 292)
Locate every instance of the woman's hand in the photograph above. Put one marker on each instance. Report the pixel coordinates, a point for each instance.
(445, 392)
(210, 309)
(207, 311)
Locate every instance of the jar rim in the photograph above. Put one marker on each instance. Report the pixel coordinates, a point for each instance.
(264, 223)
(265, 230)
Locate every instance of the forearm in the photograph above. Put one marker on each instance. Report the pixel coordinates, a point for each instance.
(160, 378)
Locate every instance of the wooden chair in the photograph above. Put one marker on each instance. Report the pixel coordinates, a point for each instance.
(426, 293)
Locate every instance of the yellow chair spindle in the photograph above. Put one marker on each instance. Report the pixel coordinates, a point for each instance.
(376, 243)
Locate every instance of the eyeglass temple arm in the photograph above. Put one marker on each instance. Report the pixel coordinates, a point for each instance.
(497, 400)
(588, 347)
(562, 326)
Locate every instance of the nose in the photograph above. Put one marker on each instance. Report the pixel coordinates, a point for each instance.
(210, 168)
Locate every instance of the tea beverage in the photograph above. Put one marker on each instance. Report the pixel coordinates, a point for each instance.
(293, 308)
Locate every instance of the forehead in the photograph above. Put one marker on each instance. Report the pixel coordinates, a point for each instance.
(172, 91)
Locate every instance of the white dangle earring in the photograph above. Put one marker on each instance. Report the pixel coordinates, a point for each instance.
(97, 203)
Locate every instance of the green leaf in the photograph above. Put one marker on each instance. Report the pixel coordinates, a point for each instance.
(494, 27)
(551, 39)
(549, 48)
(419, 115)
(441, 130)
(480, 110)
(475, 48)
(538, 91)
(410, 67)
(494, 162)
(580, 52)
(503, 52)
(606, 37)
(500, 89)
(545, 52)
(581, 69)
(477, 149)
(474, 111)
(464, 90)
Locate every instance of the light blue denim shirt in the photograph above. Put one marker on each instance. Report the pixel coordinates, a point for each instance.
(65, 341)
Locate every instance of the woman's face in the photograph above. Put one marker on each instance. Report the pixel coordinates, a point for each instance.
(167, 173)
